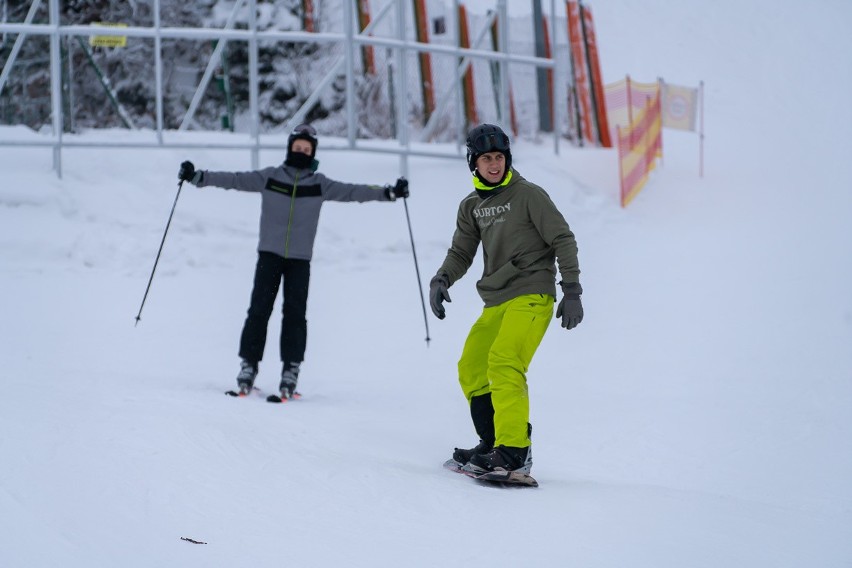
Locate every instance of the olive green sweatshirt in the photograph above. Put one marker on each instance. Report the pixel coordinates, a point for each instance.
(522, 234)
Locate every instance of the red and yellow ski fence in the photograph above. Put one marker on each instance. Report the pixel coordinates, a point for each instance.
(640, 143)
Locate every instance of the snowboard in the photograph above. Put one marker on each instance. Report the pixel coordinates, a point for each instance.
(496, 478)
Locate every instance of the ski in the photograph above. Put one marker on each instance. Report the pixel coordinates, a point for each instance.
(495, 478)
(240, 394)
(275, 399)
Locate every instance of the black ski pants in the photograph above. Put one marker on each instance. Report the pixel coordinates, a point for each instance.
(268, 275)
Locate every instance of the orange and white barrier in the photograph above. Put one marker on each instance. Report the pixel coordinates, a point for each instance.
(682, 108)
(626, 98)
(640, 143)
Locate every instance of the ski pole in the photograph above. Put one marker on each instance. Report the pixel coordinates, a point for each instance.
(162, 242)
(417, 269)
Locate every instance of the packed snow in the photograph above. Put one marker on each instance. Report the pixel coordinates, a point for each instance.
(700, 415)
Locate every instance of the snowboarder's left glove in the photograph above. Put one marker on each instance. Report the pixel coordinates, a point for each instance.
(187, 173)
(570, 308)
(400, 189)
(438, 294)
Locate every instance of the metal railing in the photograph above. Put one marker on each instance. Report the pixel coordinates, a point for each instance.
(349, 40)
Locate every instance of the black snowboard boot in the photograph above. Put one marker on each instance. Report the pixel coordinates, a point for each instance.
(462, 456)
(245, 379)
(502, 458)
(482, 414)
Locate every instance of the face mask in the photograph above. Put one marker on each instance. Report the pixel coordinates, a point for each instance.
(298, 160)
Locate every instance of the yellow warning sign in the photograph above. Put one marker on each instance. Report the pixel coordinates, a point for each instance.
(109, 40)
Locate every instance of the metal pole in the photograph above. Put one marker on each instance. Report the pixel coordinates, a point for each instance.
(68, 87)
(349, 22)
(56, 86)
(417, 270)
(557, 83)
(402, 88)
(457, 82)
(157, 260)
(545, 119)
(253, 82)
(503, 24)
(620, 164)
(701, 131)
(16, 47)
(158, 71)
(661, 89)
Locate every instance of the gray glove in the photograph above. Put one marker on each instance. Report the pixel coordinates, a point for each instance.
(438, 293)
(570, 308)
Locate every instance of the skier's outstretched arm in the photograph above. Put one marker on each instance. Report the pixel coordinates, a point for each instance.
(243, 181)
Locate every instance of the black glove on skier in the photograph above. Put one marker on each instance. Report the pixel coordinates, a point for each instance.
(570, 308)
(438, 294)
(187, 173)
(400, 189)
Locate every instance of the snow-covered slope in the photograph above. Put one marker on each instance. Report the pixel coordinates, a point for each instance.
(699, 416)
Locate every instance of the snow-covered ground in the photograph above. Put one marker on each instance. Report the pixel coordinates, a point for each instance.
(700, 416)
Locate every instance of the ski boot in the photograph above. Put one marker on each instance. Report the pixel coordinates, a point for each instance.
(289, 379)
(245, 379)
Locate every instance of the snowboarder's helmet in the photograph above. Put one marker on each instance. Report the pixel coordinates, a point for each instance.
(303, 132)
(487, 138)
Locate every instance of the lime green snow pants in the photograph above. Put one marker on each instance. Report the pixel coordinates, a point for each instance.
(495, 359)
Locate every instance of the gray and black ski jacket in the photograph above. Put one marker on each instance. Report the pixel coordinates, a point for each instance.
(291, 203)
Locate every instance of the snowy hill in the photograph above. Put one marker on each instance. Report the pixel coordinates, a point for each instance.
(700, 415)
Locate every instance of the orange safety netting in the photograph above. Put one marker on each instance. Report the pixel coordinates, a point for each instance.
(625, 99)
(640, 143)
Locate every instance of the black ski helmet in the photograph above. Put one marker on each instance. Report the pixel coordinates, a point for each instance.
(487, 138)
(303, 132)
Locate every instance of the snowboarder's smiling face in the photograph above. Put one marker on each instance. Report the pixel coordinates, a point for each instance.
(491, 166)
(301, 146)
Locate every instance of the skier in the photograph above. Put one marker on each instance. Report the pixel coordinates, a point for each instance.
(522, 234)
(291, 197)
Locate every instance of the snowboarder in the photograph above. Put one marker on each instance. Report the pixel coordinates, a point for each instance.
(291, 197)
(522, 235)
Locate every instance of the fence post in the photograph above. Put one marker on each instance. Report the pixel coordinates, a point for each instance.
(349, 62)
(402, 89)
(254, 77)
(56, 86)
(620, 166)
(701, 130)
(505, 103)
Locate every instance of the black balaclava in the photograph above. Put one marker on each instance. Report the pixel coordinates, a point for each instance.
(297, 159)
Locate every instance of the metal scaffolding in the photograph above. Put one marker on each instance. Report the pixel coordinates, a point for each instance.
(350, 40)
